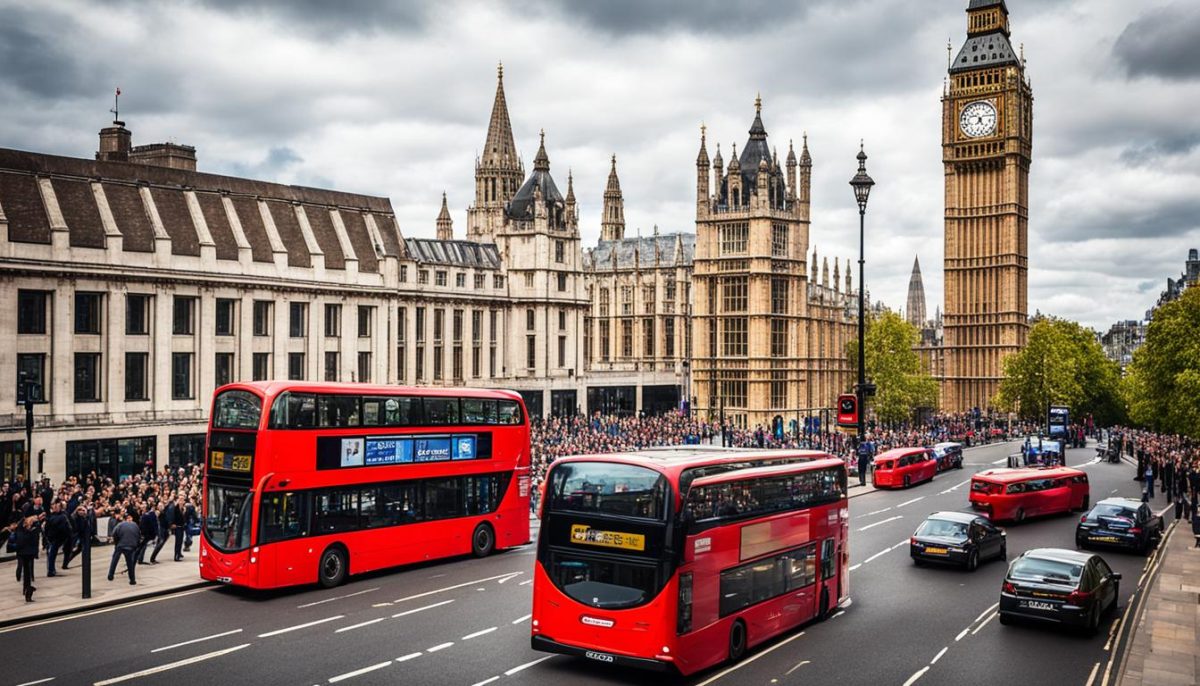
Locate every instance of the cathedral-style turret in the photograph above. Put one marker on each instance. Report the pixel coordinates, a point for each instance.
(612, 224)
(803, 196)
(445, 225)
(498, 171)
(702, 175)
(915, 312)
(791, 173)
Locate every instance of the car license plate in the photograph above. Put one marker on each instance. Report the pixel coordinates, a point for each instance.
(599, 657)
(936, 551)
(1105, 539)
(1039, 605)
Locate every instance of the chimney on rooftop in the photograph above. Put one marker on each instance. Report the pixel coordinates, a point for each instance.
(172, 155)
(115, 143)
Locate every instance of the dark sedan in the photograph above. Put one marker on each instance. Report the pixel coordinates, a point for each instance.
(1119, 523)
(1059, 586)
(959, 538)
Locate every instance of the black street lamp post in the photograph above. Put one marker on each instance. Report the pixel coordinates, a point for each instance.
(862, 189)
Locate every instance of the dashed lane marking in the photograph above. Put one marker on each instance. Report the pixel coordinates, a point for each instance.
(798, 666)
(854, 567)
(421, 609)
(360, 625)
(909, 502)
(961, 634)
(882, 521)
(526, 582)
(521, 619)
(1092, 677)
(527, 665)
(510, 577)
(300, 626)
(920, 673)
(477, 634)
(938, 656)
(330, 600)
(752, 658)
(358, 672)
(485, 681)
(985, 613)
(196, 640)
(440, 646)
(985, 622)
(39, 681)
(456, 586)
(878, 554)
(406, 658)
(169, 666)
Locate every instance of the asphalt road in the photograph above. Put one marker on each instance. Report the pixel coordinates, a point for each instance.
(464, 622)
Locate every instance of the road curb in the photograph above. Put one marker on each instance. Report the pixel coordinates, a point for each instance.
(5, 623)
(1114, 672)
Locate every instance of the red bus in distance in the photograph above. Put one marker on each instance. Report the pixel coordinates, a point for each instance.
(679, 559)
(903, 467)
(1014, 494)
(311, 482)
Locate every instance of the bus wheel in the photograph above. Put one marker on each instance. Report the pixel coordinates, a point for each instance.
(483, 541)
(737, 641)
(332, 568)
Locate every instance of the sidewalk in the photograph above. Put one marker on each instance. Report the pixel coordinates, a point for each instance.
(1165, 647)
(62, 593)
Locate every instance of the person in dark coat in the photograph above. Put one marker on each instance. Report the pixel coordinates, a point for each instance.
(58, 537)
(126, 537)
(148, 524)
(26, 535)
(177, 520)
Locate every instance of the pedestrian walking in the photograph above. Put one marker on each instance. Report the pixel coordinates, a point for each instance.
(148, 525)
(177, 521)
(126, 537)
(26, 534)
(163, 532)
(864, 462)
(1148, 475)
(58, 537)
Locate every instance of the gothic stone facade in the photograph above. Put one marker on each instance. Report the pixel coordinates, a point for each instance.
(987, 138)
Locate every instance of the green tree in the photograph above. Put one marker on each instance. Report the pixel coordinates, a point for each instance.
(894, 366)
(1062, 364)
(1162, 385)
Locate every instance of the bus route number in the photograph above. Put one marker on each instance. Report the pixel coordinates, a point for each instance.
(233, 463)
(586, 535)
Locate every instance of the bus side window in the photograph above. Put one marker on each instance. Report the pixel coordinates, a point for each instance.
(510, 412)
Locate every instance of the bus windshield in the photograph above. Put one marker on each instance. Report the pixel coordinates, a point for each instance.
(227, 523)
(608, 488)
(237, 410)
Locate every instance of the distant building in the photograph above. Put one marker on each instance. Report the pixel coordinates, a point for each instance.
(1175, 287)
(915, 310)
(1122, 339)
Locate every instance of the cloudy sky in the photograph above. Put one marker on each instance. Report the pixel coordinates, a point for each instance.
(393, 98)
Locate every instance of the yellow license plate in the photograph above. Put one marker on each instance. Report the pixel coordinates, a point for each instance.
(1105, 539)
(586, 535)
(936, 551)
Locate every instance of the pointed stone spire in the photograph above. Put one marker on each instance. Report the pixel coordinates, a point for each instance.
(734, 164)
(791, 173)
(499, 150)
(825, 273)
(805, 158)
(915, 310)
(718, 163)
(570, 186)
(849, 281)
(612, 222)
(445, 225)
(498, 171)
(702, 156)
(813, 278)
(837, 277)
(541, 162)
(757, 130)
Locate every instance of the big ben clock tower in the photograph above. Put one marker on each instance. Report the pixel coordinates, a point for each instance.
(987, 135)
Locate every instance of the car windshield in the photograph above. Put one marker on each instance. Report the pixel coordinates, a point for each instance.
(227, 517)
(943, 528)
(608, 488)
(1042, 569)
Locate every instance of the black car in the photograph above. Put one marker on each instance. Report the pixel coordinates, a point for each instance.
(1059, 586)
(1119, 523)
(959, 538)
(949, 455)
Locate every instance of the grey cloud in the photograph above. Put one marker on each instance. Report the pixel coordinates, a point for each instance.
(34, 58)
(1163, 42)
(333, 18)
(1167, 146)
(701, 16)
(1171, 216)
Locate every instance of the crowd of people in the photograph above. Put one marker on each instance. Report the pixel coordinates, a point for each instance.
(1171, 462)
(142, 513)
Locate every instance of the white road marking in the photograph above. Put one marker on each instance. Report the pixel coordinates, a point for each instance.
(39, 681)
(406, 658)
(300, 626)
(1000, 461)
(1112, 631)
(510, 577)
(527, 665)
(360, 625)
(526, 582)
(196, 640)
(477, 634)
(904, 542)
(837, 614)
(798, 666)
(421, 609)
(485, 681)
(330, 600)
(381, 604)
(1092, 676)
(440, 646)
(1113, 491)
(985, 612)
(920, 673)
(881, 552)
(748, 660)
(882, 521)
(984, 622)
(455, 586)
(938, 656)
(170, 665)
(962, 633)
(102, 610)
(854, 567)
(521, 619)
(909, 502)
(877, 512)
(358, 672)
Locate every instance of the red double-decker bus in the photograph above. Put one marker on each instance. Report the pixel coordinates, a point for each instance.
(682, 558)
(309, 482)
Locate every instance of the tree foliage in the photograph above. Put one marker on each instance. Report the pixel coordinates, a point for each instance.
(1162, 384)
(1062, 364)
(894, 367)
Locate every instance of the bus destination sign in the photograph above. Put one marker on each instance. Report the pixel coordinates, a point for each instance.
(586, 535)
(219, 459)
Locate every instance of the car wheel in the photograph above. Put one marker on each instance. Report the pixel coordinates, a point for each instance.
(1004, 619)
(973, 561)
(737, 641)
(1020, 515)
(483, 541)
(906, 482)
(1093, 623)
(917, 562)
(1080, 543)
(331, 570)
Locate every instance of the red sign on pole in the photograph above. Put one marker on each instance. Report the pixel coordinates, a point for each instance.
(847, 410)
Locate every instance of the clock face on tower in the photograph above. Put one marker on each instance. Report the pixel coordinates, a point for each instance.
(978, 119)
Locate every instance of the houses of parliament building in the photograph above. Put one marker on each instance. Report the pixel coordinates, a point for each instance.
(139, 284)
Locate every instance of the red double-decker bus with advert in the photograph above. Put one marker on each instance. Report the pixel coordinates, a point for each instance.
(678, 559)
(311, 482)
